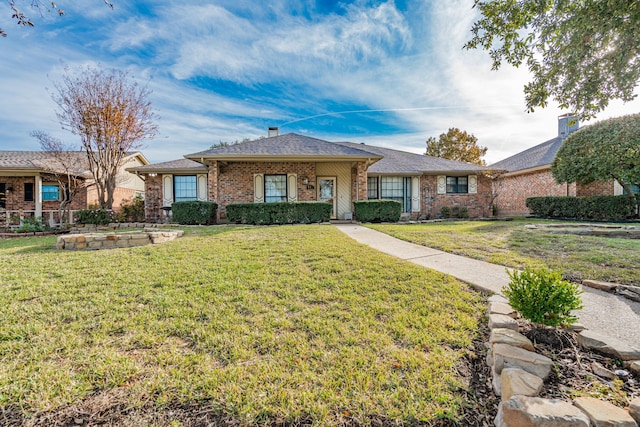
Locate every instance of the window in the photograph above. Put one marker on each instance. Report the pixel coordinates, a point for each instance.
(3, 195)
(372, 187)
(396, 188)
(28, 192)
(457, 184)
(184, 188)
(50, 192)
(634, 188)
(275, 188)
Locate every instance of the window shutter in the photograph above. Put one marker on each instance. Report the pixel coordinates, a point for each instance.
(442, 185)
(415, 194)
(472, 180)
(258, 188)
(167, 190)
(202, 187)
(292, 187)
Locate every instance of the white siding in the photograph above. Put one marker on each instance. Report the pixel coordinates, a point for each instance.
(342, 172)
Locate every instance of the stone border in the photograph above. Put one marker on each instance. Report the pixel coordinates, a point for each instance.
(518, 376)
(629, 292)
(97, 241)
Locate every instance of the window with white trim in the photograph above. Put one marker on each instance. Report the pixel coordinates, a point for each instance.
(275, 188)
(390, 188)
(185, 188)
(372, 188)
(457, 184)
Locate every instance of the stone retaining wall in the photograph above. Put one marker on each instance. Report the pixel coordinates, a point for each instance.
(519, 374)
(97, 241)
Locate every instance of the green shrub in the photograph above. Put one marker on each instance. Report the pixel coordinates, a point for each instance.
(95, 216)
(131, 210)
(377, 210)
(194, 212)
(454, 212)
(31, 224)
(445, 212)
(590, 207)
(542, 297)
(278, 213)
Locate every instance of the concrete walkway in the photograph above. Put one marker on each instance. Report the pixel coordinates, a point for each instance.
(603, 312)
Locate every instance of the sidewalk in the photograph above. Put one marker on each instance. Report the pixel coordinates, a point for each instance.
(605, 313)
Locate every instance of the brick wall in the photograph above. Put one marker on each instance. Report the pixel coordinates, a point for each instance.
(359, 181)
(478, 205)
(513, 191)
(15, 199)
(120, 195)
(153, 212)
(596, 189)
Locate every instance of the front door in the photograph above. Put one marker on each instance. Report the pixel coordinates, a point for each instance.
(327, 192)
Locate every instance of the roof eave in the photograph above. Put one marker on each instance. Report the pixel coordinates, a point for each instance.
(280, 158)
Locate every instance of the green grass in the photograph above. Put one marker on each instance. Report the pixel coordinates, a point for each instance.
(510, 244)
(271, 324)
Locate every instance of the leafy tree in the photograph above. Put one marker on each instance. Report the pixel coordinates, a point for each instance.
(40, 6)
(456, 145)
(63, 168)
(601, 151)
(582, 53)
(112, 117)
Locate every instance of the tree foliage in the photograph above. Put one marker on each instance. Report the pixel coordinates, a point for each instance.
(582, 54)
(601, 151)
(111, 115)
(456, 145)
(41, 7)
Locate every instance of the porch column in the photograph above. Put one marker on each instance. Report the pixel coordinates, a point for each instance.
(38, 196)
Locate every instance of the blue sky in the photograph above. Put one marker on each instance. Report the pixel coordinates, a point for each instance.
(388, 73)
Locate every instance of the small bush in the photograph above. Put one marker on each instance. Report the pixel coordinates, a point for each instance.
(31, 224)
(445, 212)
(95, 216)
(590, 207)
(131, 210)
(377, 210)
(454, 212)
(194, 212)
(278, 213)
(542, 297)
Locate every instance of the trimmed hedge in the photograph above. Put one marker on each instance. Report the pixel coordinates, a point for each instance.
(194, 212)
(278, 213)
(589, 207)
(377, 210)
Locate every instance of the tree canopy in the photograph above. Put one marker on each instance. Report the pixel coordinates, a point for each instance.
(456, 145)
(40, 6)
(111, 115)
(581, 53)
(601, 151)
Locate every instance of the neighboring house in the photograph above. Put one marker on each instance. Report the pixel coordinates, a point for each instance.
(128, 185)
(528, 174)
(294, 167)
(29, 187)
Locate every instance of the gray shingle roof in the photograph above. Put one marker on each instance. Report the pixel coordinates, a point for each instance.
(290, 144)
(43, 161)
(534, 157)
(171, 166)
(401, 162)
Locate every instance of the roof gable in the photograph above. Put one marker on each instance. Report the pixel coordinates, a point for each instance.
(539, 156)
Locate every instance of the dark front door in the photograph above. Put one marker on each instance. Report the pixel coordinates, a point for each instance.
(3, 195)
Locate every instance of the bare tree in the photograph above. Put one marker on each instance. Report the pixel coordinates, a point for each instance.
(496, 187)
(111, 115)
(63, 166)
(40, 6)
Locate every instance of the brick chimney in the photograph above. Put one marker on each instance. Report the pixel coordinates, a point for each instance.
(567, 123)
(273, 131)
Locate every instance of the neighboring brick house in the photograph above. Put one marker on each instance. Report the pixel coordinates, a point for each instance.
(528, 174)
(294, 167)
(29, 187)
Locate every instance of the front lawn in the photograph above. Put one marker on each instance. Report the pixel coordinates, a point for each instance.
(292, 324)
(510, 244)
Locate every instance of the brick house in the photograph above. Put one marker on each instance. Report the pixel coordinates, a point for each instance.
(528, 174)
(294, 167)
(29, 185)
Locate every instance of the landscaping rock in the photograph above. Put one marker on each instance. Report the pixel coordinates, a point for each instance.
(607, 345)
(502, 308)
(577, 327)
(604, 414)
(634, 409)
(496, 382)
(603, 286)
(524, 411)
(633, 366)
(502, 321)
(511, 337)
(515, 381)
(629, 292)
(601, 371)
(507, 356)
(498, 298)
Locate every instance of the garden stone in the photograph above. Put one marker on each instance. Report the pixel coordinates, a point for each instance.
(515, 381)
(502, 321)
(496, 382)
(511, 337)
(502, 308)
(603, 286)
(634, 409)
(604, 414)
(629, 292)
(601, 371)
(498, 298)
(607, 345)
(633, 366)
(525, 411)
(507, 356)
